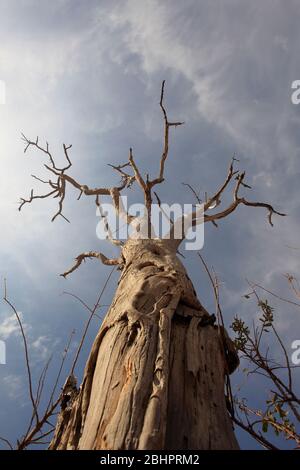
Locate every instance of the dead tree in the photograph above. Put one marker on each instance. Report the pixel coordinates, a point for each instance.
(155, 375)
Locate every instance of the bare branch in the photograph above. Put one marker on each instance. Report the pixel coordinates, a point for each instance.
(37, 440)
(46, 150)
(26, 441)
(137, 174)
(215, 291)
(58, 187)
(64, 356)
(29, 377)
(165, 152)
(294, 284)
(32, 197)
(264, 417)
(66, 148)
(231, 356)
(41, 381)
(288, 366)
(124, 176)
(162, 210)
(275, 295)
(198, 216)
(92, 254)
(7, 442)
(82, 302)
(257, 436)
(107, 227)
(194, 192)
(215, 199)
(147, 185)
(92, 314)
(119, 207)
(239, 200)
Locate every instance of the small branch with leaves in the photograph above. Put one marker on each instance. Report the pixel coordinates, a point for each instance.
(282, 412)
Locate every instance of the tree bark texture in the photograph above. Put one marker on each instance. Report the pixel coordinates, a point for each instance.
(155, 375)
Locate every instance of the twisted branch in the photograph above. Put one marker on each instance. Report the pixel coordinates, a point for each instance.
(58, 187)
(198, 216)
(237, 201)
(92, 254)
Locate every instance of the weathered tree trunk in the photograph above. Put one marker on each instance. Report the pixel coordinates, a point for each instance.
(155, 375)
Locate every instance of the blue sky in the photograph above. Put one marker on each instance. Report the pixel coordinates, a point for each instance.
(89, 73)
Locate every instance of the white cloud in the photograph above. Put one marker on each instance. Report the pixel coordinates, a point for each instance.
(238, 77)
(43, 347)
(9, 326)
(14, 386)
(40, 348)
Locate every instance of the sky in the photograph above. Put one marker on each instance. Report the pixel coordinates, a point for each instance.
(88, 73)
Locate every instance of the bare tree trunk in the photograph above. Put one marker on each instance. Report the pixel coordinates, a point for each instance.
(155, 375)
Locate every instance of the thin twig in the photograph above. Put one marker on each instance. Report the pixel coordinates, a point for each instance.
(31, 394)
(64, 356)
(92, 254)
(7, 442)
(89, 321)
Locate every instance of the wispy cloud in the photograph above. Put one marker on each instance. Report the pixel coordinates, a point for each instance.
(14, 386)
(9, 326)
(43, 347)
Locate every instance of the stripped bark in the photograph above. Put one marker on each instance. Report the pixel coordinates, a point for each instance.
(155, 375)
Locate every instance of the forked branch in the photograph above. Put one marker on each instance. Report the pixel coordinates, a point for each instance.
(92, 254)
(200, 215)
(147, 185)
(40, 417)
(237, 200)
(60, 179)
(165, 152)
(25, 344)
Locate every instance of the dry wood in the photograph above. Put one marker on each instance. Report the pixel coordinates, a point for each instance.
(155, 375)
